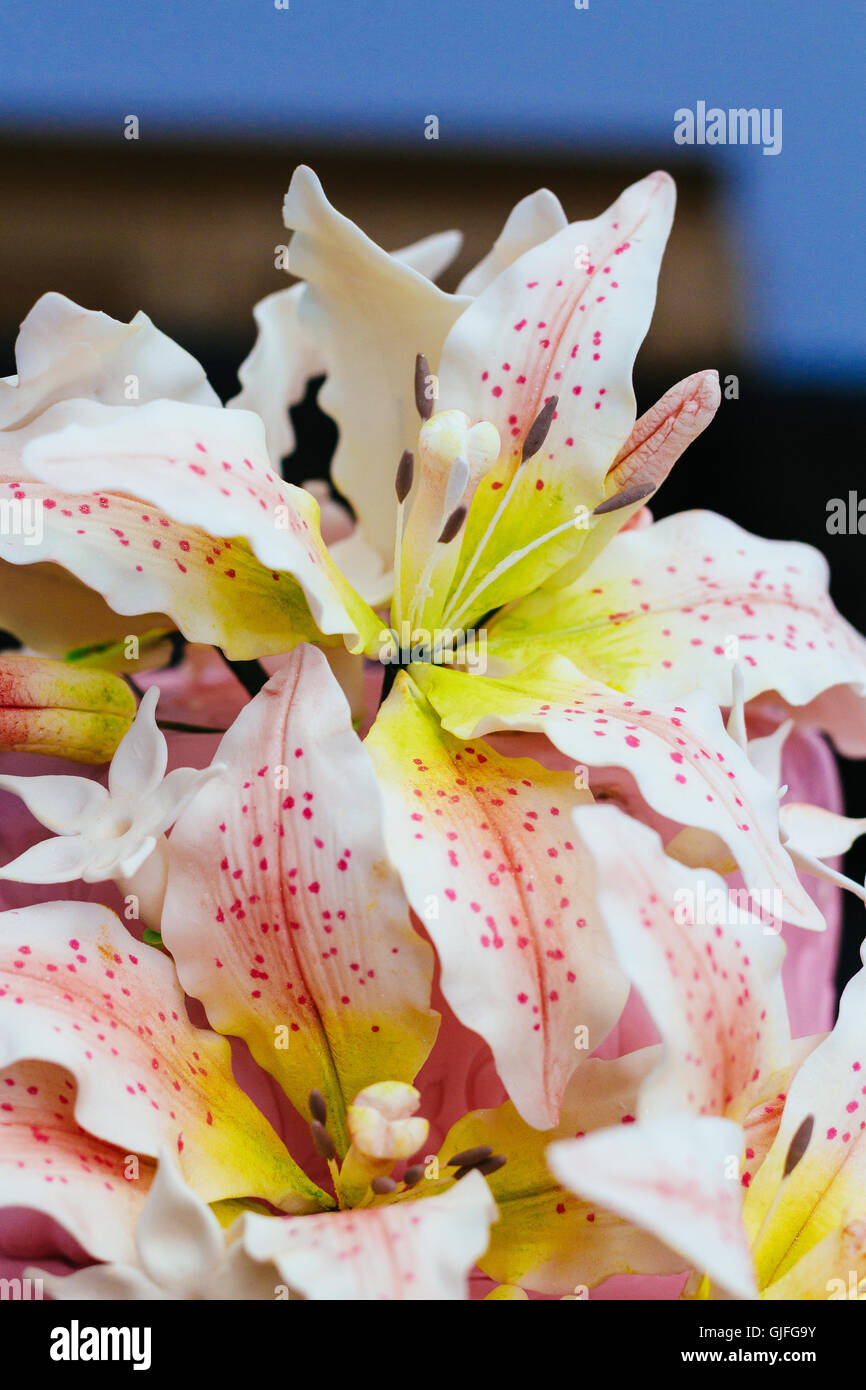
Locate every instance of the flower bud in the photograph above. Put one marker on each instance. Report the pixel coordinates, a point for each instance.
(68, 711)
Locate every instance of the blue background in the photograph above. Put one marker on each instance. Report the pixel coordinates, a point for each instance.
(505, 75)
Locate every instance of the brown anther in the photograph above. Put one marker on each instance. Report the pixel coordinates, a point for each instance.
(413, 1175)
(491, 1165)
(323, 1141)
(318, 1108)
(461, 1172)
(382, 1186)
(624, 498)
(537, 432)
(467, 1158)
(799, 1144)
(423, 402)
(405, 475)
(452, 525)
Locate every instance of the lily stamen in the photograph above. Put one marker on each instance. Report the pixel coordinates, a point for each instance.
(452, 525)
(452, 619)
(799, 1144)
(403, 486)
(423, 402)
(485, 1167)
(626, 498)
(383, 1186)
(454, 517)
(318, 1107)
(323, 1141)
(535, 437)
(467, 1158)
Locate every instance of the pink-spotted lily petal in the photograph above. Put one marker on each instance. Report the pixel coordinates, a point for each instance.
(788, 1215)
(809, 833)
(565, 320)
(678, 1178)
(534, 219)
(370, 314)
(656, 442)
(72, 992)
(667, 608)
(282, 912)
(707, 968)
(547, 1239)
(180, 1252)
(66, 353)
(835, 1268)
(486, 848)
(155, 573)
(50, 1164)
(285, 356)
(204, 473)
(762, 1125)
(685, 765)
(414, 1250)
(53, 708)
(179, 1239)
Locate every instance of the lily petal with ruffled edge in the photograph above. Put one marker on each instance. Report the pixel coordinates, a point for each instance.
(677, 1177)
(686, 766)
(534, 219)
(546, 1238)
(219, 542)
(181, 1252)
(394, 1251)
(285, 356)
(369, 314)
(65, 352)
(708, 970)
(73, 993)
(665, 609)
(555, 323)
(50, 1164)
(282, 912)
(490, 863)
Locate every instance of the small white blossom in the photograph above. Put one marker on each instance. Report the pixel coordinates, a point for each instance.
(104, 833)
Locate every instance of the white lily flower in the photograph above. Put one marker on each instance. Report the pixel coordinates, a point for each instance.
(116, 832)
